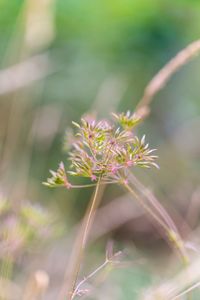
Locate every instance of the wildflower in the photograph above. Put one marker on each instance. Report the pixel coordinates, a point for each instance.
(59, 178)
(128, 121)
(104, 149)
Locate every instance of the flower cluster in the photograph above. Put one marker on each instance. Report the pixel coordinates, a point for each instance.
(105, 150)
(59, 178)
(128, 121)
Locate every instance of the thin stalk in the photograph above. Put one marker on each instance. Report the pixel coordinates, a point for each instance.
(172, 236)
(89, 276)
(90, 215)
(146, 207)
(194, 286)
(102, 266)
(80, 244)
(93, 184)
(154, 202)
(162, 77)
(173, 233)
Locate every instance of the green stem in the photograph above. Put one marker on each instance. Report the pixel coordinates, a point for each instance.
(90, 215)
(80, 243)
(93, 184)
(173, 236)
(154, 202)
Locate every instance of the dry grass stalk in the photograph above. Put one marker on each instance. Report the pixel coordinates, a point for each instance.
(74, 266)
(162, 77)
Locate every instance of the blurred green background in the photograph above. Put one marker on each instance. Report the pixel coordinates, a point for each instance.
(61, 59)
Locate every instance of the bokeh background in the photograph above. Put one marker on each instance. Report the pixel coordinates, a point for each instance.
(61, 59)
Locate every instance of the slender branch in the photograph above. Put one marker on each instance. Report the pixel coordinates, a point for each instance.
(173, 237)
(79, 246)
(90, 215)
(88, 277)
(93, 184)
(85, 279)
(162, 77)
(146, 207)
(173, 233)
(194, 286)
(155, 203)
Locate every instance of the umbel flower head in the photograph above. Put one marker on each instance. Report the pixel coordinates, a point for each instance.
(104, 150)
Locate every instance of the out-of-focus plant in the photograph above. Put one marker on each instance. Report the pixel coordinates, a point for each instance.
(104, 152)
(21, 229)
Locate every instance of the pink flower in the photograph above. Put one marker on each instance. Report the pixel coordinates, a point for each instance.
(125, 181)
(93, 177)
(114, 169)
(129, 163)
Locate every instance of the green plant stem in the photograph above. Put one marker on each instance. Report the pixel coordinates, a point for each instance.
(146, 208)
(93, 184)
(80, 243)
(90, 214)
(171, 234)
(154, 202)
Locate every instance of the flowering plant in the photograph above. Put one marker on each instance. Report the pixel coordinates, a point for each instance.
(102, 149)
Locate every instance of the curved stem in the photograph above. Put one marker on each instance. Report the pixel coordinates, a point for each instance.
(88, 277)
(146, 207)
(93, 184)
(155, 203)
(90, 215)
(85, 279)
(173, 236)
(162, 77)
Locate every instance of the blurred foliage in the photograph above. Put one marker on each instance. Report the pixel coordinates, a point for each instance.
(103, 53)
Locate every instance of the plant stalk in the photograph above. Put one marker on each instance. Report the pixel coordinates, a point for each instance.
(172, 235)
(80, 244)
